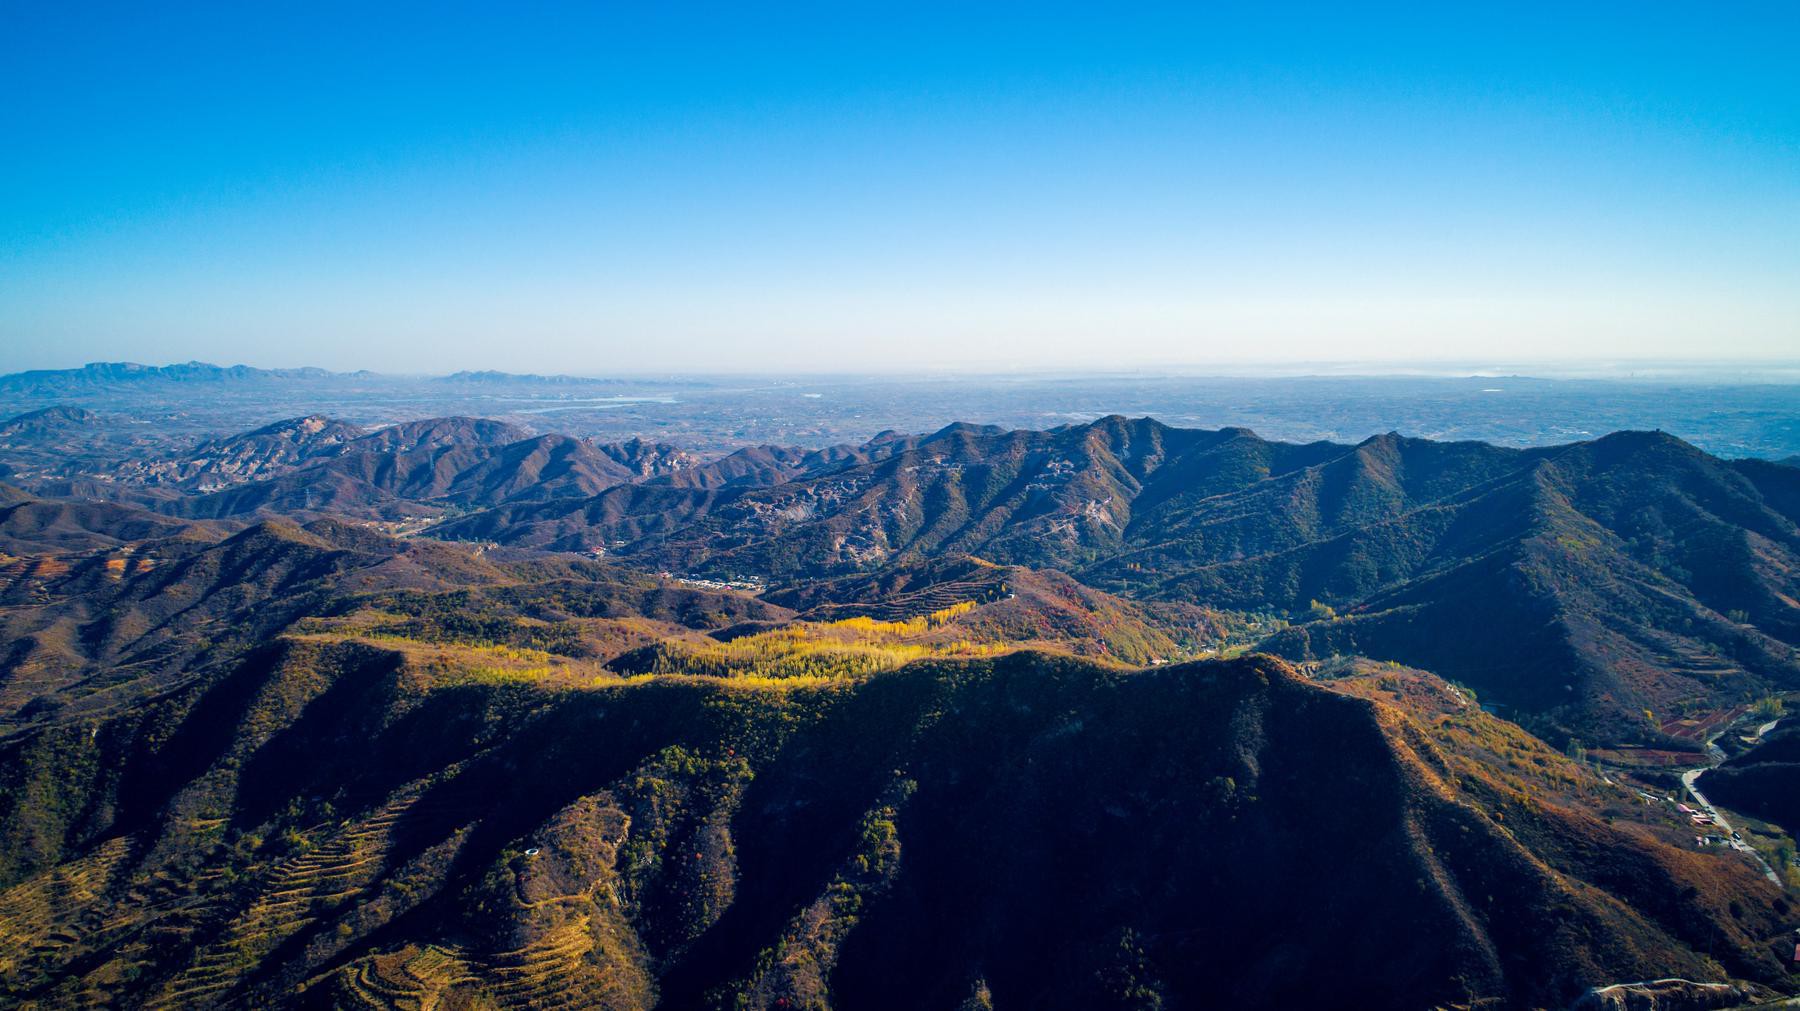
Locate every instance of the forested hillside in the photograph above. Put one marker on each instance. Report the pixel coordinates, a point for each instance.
(1089, 717)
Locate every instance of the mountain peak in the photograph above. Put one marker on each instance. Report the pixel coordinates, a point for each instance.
(65, 413)
(1643, 438)
(957, 429)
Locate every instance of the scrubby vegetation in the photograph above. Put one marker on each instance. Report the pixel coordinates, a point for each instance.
(283, 764)
(846, 648)
(1628, 573)
(905, 839)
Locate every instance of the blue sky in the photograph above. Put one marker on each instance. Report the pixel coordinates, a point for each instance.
(601, 189)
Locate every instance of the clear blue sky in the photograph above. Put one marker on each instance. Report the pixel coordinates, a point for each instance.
(599, 189)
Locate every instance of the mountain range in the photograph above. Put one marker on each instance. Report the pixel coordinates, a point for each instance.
(1579, 585)
(451, 713)
(1588, 589)
(101, 376)
(319, 767)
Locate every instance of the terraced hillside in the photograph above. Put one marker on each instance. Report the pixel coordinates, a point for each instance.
(680, 840)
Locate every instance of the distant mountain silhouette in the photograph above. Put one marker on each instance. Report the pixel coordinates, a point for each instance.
(98, 376)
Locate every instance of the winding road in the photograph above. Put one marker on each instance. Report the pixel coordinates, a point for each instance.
(1688, 779)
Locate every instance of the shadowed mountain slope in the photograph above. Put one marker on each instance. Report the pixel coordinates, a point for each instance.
(1580, 585)
(101, 605)
(315, 766)
(1763, 781)
(687, 843)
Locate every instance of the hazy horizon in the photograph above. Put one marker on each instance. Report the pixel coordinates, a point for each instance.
(1773, 369)
(865, 507)
(553, 190)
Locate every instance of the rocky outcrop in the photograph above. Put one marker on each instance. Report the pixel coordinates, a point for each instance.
(1663, 995)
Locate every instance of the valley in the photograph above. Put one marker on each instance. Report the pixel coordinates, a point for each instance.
(845, 507)
(457, 713)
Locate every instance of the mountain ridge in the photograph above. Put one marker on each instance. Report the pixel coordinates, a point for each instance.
(279, 764)
(886, 847)
(1561, 535)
